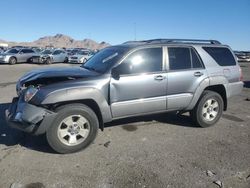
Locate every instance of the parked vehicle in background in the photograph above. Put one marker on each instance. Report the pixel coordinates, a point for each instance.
(51, 56)
(17, 55)
(80, 56)
(69, 105)
(242, 56)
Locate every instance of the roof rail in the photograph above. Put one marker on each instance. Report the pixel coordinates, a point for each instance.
(173, 41)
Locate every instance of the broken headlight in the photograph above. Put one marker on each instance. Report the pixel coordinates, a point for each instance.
(30, 92)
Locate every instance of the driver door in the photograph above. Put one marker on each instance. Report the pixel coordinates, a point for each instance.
(142, 84)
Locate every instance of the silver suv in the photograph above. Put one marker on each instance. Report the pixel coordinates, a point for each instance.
(136, 78)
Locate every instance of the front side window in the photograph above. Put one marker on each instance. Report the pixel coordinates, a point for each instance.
(143, 61)
(56, 52)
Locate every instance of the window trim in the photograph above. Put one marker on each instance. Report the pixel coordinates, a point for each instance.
(190, 53)
(146, 73)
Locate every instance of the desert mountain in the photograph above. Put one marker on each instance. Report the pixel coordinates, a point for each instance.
(59, 41)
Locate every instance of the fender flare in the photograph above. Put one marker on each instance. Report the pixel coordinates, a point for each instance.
(78, 94)
(210, 81)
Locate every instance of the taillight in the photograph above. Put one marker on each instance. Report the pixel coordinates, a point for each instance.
(241, 75)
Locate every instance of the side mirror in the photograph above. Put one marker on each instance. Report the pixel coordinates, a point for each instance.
(120, 70)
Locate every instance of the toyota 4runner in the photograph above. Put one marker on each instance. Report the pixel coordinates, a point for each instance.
(69, 105)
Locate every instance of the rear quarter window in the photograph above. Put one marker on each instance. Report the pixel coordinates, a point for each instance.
(223, 56)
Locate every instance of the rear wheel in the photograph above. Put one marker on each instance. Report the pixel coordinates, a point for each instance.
(12, 61)
(73, 129)
(208, 109)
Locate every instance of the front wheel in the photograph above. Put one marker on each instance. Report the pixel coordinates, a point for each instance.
(48, 61)
(208, 109)
(12, 61)
(73, 129)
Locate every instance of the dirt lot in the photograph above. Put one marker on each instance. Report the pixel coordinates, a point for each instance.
(153, 151)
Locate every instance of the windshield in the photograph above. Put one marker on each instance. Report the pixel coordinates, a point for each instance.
(105, 59)
(46, 52)
(12, 51)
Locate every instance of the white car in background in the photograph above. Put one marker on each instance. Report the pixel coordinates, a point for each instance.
(51, 56)
(80, 56)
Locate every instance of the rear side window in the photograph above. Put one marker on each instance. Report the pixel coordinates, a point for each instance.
(179, 58)
(196, 62)
(222, 56)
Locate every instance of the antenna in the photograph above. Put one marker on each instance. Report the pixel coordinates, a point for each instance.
(135, 31)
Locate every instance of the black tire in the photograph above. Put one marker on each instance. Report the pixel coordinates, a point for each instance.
(199, 116)
(12, 61)
(30, 60)
(48, 61)
(52, 133)
(66, 60)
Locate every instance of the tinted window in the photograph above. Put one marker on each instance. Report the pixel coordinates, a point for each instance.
(13, 51)
(143, 61)
(179, 58)
(56, 52)
(30, 51)
(222, 56)
(195, 60)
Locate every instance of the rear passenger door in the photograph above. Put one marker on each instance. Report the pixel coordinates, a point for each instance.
(21, 57)
(56, 56)
(185, 73)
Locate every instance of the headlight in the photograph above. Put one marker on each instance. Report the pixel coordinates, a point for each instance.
(30, 92)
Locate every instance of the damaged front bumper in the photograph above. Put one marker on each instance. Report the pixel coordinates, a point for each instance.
(28, 118)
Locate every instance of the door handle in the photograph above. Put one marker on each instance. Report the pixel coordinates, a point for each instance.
(198, 74)
(159, 77)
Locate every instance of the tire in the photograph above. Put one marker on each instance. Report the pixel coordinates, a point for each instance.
(12, 61)
(208, 109)
(72, 121)
(66, 60)
(48, 61)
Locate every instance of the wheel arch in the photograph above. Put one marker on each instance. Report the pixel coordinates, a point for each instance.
(221, 90)
(88, 102)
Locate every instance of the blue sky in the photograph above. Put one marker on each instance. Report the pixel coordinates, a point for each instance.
(114, 21)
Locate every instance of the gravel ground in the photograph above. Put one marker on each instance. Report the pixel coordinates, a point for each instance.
(152, 151)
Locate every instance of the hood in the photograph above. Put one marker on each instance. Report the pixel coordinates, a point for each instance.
(53, 75)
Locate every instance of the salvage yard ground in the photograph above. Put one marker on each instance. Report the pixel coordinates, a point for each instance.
(154, 151)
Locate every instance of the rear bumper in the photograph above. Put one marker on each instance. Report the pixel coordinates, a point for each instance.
(234, 88)
(28, 118)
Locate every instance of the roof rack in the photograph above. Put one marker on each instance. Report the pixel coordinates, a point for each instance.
(173, 41)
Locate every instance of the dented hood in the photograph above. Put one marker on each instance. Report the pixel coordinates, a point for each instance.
(57, 73)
